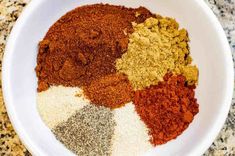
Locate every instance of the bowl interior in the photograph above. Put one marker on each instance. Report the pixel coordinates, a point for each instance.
(208, 48)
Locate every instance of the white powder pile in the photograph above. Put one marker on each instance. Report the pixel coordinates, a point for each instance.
(131, 135)
(58, 103)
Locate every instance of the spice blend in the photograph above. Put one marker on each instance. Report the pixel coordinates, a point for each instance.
(115, 81)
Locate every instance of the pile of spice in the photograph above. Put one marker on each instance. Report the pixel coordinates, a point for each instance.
(156, 48)
(112, 91)
(131, 134)
(167, 108)
(115, 81)
(88, 132)
(84, 44)
(58, 103)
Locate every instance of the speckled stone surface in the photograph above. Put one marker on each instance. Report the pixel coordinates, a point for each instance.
(224, 145)
(10, 144)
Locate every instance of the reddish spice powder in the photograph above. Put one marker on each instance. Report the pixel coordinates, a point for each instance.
(111, 91)
(167, 108)
(83, 45)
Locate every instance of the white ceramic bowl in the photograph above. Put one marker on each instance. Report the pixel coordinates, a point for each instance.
(209, 49)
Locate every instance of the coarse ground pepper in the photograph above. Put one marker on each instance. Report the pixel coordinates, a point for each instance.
(83, 45)
(111, 91)
(167, 108)
(88, 132)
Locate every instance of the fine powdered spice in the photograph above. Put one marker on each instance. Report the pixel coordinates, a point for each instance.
(58, 103)
(167, 108)
(155, 48)
(83, 45)
(97, 59)
(131, 134)
(111, 91)
(88, 132)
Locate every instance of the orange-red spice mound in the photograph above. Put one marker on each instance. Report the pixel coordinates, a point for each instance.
(167, 108)
(111, 91)
(83, 45)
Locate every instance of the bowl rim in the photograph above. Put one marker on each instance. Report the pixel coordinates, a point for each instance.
(34, 150)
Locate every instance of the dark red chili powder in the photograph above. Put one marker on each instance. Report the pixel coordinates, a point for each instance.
(167, 108)
(83, 45)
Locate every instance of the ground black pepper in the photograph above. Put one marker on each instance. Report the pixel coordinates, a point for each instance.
(88, 132)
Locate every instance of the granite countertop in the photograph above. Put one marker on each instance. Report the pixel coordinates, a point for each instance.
(10, 144)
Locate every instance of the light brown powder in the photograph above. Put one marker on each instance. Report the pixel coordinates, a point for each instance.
(155, 48)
